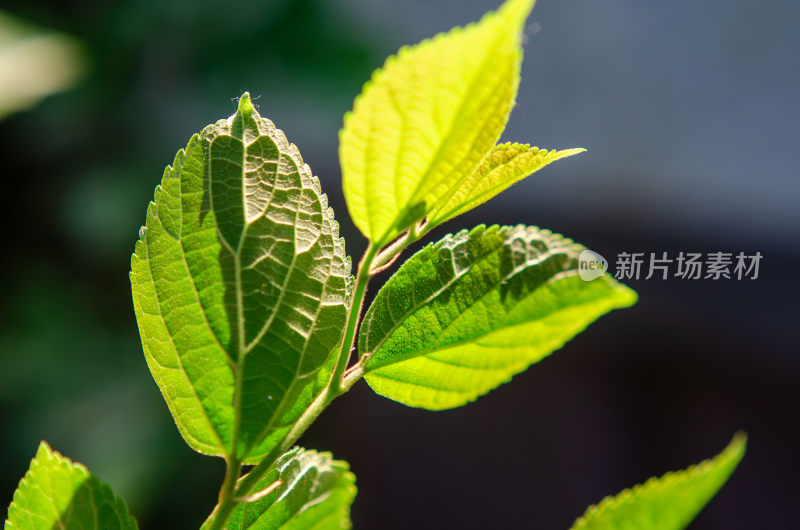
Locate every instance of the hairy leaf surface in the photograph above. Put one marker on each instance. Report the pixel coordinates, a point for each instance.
(57, 493)
(315, 492)
(426, 120)
(240, 285)
(667, 503)
(464, 315)
(505, 165)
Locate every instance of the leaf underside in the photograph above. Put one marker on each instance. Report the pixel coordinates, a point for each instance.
(240, 286)
(464, 315)
(315, 492)
(670, 502)
(426, 120)
(57, 493)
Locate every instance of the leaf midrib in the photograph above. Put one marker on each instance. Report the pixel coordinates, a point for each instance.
(457, 115)
(456, 118)
(476, 139)
(246, 348)
(279, 410)
(477, 199)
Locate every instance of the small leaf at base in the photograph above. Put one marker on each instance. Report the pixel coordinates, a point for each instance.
(315, 492)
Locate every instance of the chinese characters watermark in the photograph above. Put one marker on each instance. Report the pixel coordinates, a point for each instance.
(662, 266)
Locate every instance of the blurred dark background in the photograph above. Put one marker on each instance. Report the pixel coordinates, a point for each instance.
(689, 111)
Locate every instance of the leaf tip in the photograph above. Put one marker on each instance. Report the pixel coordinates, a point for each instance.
(738, 445)
(518, 9)
(43, 452)
(574, 151)
(627, 296)
(246, 108)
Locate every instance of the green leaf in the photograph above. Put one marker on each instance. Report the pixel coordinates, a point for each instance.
(464, 315)
(426, 120)
(57, 493)
(505, 165)
(240, 286)
(667, 503)
(315, 491)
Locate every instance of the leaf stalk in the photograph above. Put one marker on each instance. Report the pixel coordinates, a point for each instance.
(231, 493)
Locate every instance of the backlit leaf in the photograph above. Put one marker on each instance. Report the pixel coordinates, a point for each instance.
(505, 165)
(667, 503)
(57, 493)
(240, 285)
(464, 315)
(426, 119)
(315, 492)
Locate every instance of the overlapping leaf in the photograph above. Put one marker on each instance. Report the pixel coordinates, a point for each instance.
(504, 166)
(464, 315)
(667, 503)
(57, 493)
(427, 119)
(240, 285)
(315, 492)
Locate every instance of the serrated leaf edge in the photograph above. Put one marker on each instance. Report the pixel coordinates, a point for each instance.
(401, 54)
(733, 452)
(37, 464)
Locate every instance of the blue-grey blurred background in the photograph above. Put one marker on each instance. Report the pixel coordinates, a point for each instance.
(689, 110)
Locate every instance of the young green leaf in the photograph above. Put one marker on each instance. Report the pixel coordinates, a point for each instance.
(240, 286)
(464, 315)
(57, 493)
(315, 491)
(426, 120)
(667, 503)
(505, 165)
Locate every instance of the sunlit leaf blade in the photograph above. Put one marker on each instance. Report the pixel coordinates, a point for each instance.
(464, 315)
(426, 120)
(315, 492)
(505, 165)
(57, 493)
(240, 285)
(34, 63)
(670, 502)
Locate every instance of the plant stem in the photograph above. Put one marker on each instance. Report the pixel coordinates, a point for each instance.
(230, 493)
(352, 376)
(354, 315)
(249, 481)
(390, 252)
(227, 498)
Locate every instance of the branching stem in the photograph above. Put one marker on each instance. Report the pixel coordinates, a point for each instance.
(231, 493)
